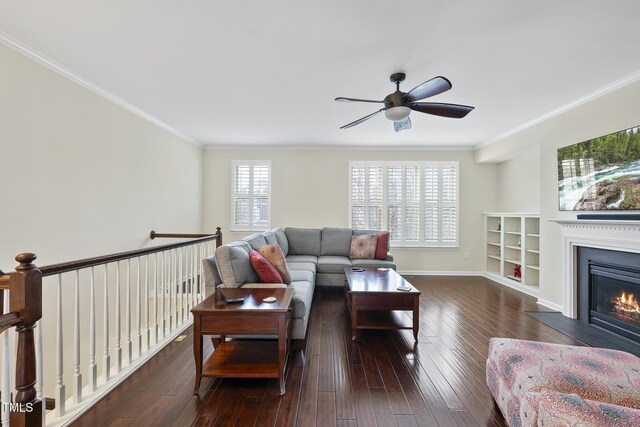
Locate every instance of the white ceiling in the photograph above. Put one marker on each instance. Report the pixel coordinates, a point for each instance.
(258, 72)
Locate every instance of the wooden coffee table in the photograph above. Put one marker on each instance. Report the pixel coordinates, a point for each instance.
(375, 303)
(244, 358)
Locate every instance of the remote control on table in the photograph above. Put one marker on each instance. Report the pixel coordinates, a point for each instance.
(234, 300)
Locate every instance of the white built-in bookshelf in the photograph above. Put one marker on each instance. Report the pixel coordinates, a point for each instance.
(513, 239)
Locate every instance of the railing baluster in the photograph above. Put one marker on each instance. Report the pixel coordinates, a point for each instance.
(162, 324)
(138, 309)
(200, 281)
(118, 326)
(155, 297)
(174, 288)
(127, 315)
(181, 286)
(93, 368)
(77, 376)
(147, 327)
(193, 277)
(172, 276)
(6, 366)
(60, 392)
(40, 368)
(106, 358)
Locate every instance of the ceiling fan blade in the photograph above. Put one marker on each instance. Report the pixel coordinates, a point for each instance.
(360, 120)
(402, 124)
(454, 111)
(343, 99)
(429, 88)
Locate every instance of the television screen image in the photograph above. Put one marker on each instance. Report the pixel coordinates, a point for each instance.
(601, 174)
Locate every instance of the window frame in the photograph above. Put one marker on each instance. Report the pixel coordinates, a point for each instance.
(251, 226)
(420, 204)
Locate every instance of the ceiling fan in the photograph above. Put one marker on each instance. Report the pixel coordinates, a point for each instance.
(398, 105)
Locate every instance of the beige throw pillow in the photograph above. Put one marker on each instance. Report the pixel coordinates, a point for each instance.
(274, 255)
(363, 247)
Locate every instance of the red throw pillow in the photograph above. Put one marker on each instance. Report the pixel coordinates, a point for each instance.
(381, 246)
(266, 271)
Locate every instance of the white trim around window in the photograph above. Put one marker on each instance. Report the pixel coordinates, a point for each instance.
(417, 202)
(250, 195)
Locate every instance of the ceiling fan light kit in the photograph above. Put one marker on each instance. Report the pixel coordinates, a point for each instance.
(398, 105)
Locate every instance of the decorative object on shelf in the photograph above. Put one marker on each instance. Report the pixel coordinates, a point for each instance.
(516, 271)
(499, 226)
(499, 252)
(601, 173)
(519, 241)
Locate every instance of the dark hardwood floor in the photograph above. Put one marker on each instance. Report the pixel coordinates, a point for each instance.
(382, 380)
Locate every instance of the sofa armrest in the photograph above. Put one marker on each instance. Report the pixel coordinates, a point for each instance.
(389, 257)
(262, 285)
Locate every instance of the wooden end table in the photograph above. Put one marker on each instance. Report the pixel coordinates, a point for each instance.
(244, 358)
(375, 303)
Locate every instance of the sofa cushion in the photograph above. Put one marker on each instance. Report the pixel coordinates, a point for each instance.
(333, 264)
(282, 240)
(302, 266)
(376, 232)
(234, 264)
(363, 247)
(255, 240)
(274, 255)
(266, 271)
(299, 275)
(270, 237)
(302, 258)
(302, 297)
(373, 263)
(210, 269)
(336, 241)
(382, 244)
(303, 241)
(560, 409)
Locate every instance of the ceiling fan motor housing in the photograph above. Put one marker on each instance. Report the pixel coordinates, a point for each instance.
(396, 109)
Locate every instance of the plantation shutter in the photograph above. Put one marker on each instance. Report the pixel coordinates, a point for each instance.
(251, 195)
(417, 202)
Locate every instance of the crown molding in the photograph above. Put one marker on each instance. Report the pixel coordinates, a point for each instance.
(282, 147)
(41, 59)
(627, 80)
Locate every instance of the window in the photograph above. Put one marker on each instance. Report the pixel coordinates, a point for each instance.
(251, 193)
(417, 202)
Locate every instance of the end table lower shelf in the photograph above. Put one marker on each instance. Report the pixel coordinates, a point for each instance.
(243, 359)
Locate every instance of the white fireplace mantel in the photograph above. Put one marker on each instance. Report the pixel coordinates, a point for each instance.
(603, 234)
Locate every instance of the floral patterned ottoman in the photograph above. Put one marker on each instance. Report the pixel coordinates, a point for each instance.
(518, 370)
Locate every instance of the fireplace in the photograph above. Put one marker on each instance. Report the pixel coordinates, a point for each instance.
(609, 290)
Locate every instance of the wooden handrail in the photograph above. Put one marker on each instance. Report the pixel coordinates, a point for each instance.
(64, 267)
(9, 320)
(154, 235)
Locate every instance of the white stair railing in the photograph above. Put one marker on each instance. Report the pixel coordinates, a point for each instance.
(167, 284)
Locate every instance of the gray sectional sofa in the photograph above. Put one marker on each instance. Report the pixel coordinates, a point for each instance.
(314, 257)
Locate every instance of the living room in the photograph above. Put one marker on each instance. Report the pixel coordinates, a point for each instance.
(99, 149)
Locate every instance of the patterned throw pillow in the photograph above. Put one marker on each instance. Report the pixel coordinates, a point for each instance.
(363, 247)
(266, 272)
(274, 255)
(381, 246)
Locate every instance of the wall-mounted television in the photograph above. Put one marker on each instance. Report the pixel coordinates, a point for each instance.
(601, 174)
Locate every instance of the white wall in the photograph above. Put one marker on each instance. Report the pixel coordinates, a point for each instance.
(82, 177)
(310, 189)
(614, 111)
(519, 182)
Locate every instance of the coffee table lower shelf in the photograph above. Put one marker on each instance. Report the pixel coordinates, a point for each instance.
(244, 359)
(384, 319)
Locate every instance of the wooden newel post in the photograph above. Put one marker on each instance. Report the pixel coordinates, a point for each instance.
(219, 239)
(26, 298)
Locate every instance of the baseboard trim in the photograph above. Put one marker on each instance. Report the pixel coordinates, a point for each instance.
(439, 273)
(529, 290)
(553, 306)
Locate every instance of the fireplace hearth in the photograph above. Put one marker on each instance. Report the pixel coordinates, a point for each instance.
(609, 290)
